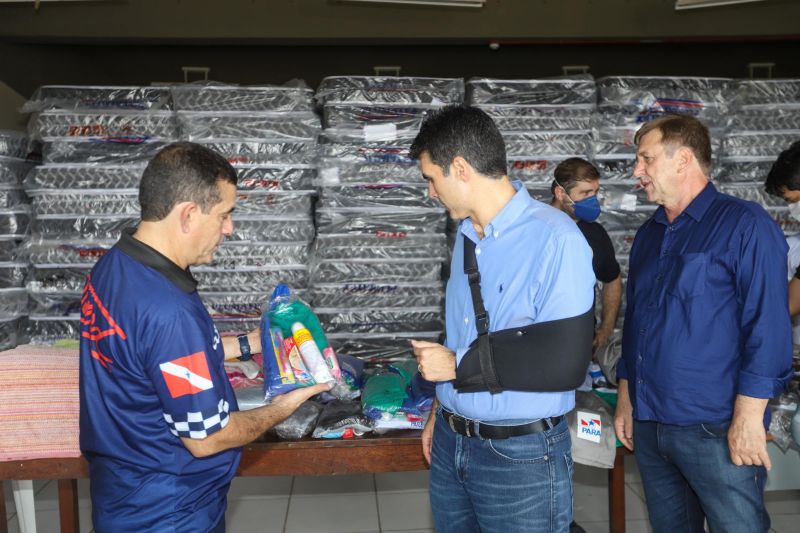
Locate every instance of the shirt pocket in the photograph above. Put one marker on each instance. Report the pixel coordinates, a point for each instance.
(688, 276)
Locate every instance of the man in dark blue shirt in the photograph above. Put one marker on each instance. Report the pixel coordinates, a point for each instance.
(706, 340)
(159, 423)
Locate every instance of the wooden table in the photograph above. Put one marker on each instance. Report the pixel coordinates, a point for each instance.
(396, 452)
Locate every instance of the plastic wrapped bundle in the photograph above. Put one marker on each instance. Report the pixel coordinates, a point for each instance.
(211, 97)
(232, 254)
(377, 294)
(366, 162)
(13, 170)
(274, 202)
(534, 144)
(617, 142)
(755, 144)
(57, 278)
(12, 332)
(249, 279)
(768, 117)
(390, 89)
(55, 303)
(625, 220)
(374, 220)
(48, 329)
(301, 423)
(249, 152)
(236, 326)
(369, 195)
(382, 246)
(376, 270)
(71, 252)
(84, 176)
(12, 274)
(753, 192)
(536, 171)
(72, 97)
(573, 90)
(510, 117)
(629, 101)
(278, 127)
(747, 169)
(540, 191)
(79, 201)
(114, 151)
(13, 144)
(15, 222)
(235, 304)
(341, 420)
(615, 167)
(784, 219)
(8, 248)
(379, 121)
(120, 126)
(277, 177)
(622, 240)
(380, 347)
(279, 228)
(623, 196)
(11, 195)
(380, 320)
(770, 91)
(13, 302)
(93, 227)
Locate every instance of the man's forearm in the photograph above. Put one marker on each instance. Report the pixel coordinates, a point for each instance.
(749, 407)
(612, 299)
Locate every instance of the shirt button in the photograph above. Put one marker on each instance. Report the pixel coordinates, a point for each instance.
(659, 277)
(643, 331)
(466, 320)
(496, 234)
(639, 381)
(639, 357)
(477, 251)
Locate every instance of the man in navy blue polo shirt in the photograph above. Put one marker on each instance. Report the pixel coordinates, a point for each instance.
(159, 423)
(706, 341)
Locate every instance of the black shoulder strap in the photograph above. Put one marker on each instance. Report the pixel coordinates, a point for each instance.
(485, 355)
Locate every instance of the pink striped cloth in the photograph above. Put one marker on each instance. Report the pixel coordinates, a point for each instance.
(38, 403)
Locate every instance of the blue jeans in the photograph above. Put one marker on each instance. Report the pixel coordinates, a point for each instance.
(688, 475)
(503, 485)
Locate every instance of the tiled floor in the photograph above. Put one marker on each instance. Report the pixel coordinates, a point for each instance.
(396, 502)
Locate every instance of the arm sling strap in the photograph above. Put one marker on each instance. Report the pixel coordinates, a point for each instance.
(544, 357)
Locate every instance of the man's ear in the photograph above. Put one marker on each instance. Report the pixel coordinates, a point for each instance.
(685, 157)
(461, 168)
(187, 213)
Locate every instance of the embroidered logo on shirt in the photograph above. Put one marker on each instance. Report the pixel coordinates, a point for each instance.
(187, 375)
(589, 427)
(97, 323)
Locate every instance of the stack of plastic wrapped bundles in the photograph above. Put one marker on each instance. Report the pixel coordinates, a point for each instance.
(377, 261)
(765, 120)
(14, 225)
(269, 134)
(396, 397)
(543, 122)
(96, 142)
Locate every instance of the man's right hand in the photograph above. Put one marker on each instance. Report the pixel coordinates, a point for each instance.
(427, 435)
(623, 416)
(293, 399)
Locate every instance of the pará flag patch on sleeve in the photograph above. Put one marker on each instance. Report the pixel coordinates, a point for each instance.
(187, 375)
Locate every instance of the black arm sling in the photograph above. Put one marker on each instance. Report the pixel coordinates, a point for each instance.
(544, 357)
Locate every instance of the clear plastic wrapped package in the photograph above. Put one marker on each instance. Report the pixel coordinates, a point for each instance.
(217, 97)
(236, 326)
(11, 195)
(87, 226)
(377, 294)
(112, 151)
(8, 248)
(380, 347)
(512, 117)
(54, 277)
(566, 91)
(84, 176)
(532, 144)
(300, 423)
(390, 89)
(119, 126)
(765, 91)
(342, 420)
(402, 195)
(376, 270)
(375, 163)
(232, 254)
(285, 127)
(625, 220)
(49, 329)
(249, 279)
(13, 301)
(784, 219)
(535, 170)
(767, 117)
(79, 201)
(427, 246)
(379, 121)
(74, 97)
(13, 144)
(615, 168)
(380, 320)
(249, 151)
(622, 240)
(15, 222)
(381, 219)
(274, 202)
(48, 302)
(276, 177)
(746, 169)
(12, 331)
(753, 192)
(278, 228)
(614, 141)
(756, 144)
(242, 304)
(63, 251)
(12, 274)
(13, 170)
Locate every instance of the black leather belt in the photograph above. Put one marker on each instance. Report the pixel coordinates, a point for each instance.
(470, 428)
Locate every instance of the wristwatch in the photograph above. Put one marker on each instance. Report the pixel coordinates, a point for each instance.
(244, 348)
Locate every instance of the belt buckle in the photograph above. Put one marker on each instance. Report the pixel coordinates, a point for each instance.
(466, 427)
(450, 422)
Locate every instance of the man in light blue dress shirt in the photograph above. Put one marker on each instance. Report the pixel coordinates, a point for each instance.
(499, 462)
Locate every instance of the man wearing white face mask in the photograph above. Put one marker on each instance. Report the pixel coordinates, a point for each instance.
(783, 181)
(575, 189)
